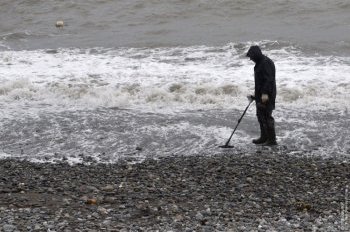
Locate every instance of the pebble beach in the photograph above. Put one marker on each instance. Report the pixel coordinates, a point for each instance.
(263, 191)
(112, 113)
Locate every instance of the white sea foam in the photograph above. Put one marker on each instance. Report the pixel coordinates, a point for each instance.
(181, 78)
(67, 102)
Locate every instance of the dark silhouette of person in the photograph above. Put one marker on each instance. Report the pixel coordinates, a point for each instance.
(265, 95)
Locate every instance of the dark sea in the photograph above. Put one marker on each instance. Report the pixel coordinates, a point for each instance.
(145, 79)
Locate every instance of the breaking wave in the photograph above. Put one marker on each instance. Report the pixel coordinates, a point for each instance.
(177, 77)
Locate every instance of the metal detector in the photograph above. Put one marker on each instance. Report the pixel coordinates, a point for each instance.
(239, 120)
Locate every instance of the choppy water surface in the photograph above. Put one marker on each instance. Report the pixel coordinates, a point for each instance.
(322, 25)
(107, 135)
(136, 79)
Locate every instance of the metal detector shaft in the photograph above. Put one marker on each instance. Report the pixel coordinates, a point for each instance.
(239, 120)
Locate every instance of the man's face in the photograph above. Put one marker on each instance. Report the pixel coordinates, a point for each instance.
(250, 58)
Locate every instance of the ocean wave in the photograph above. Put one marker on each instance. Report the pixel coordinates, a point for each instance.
(10, 39)
(31, 24)
(183, 77)
(16, 36)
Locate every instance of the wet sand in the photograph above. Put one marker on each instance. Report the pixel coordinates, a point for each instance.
(243, 192)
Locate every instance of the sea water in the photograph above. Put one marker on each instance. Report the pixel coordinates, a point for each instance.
(139, 79)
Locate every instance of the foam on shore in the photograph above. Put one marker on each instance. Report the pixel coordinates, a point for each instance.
(167, 78)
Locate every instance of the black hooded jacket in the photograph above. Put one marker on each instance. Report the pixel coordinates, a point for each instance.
(264, 76)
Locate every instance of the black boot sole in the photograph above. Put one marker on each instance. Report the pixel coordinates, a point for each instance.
(259, 141)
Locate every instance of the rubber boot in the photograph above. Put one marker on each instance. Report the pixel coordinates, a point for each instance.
(263, 136)
(271, 136)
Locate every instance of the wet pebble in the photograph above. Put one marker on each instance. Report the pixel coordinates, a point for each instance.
(248, 192)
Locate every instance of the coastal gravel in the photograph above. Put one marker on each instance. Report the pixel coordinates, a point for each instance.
(262, 191)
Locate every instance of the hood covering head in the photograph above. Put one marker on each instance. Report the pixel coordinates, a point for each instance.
(254, 53)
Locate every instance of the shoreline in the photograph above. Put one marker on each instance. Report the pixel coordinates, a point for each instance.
(254, 192)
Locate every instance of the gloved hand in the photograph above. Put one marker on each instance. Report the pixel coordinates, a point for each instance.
(251, 98)
(264, 98)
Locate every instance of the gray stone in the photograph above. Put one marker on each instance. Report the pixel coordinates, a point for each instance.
(8, 228)
(199, 216)
(108, 188)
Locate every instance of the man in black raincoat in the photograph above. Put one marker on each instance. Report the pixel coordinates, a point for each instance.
(265, 95)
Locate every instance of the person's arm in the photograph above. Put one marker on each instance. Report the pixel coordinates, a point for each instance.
(268, 77)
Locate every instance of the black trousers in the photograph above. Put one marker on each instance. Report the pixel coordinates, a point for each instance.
(266, 121)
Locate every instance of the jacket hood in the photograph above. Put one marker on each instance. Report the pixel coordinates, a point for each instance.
(254, 53)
